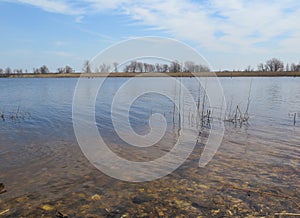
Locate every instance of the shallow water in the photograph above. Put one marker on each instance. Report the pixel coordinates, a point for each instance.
(256, 171)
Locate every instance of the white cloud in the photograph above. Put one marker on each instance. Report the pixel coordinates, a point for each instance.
(63, 54)
(59, 43)
(79, 19)
(55, 6)
(247, 26)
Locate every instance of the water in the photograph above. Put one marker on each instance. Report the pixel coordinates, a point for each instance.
(255, 172)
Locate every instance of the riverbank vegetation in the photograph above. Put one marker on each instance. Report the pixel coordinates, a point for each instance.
(272, 67)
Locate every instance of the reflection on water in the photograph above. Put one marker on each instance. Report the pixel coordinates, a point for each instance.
(255, 172)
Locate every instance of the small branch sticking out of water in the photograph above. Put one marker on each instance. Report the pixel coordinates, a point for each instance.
(294, 116)
(278, 215)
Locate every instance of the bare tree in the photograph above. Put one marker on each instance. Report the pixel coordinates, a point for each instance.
(44, 69)
(189, 66)
(249, 69)
(158, 68)
(165, 68)
(287, 67)
(104, 68)
(1, 71)
(139, 67)
(133, 66)
(203, 68)
(295, 67)
(115, 65)
(126, 68)
(151, 68)
(36, 70)
(274, 65)
(261, 67)
(60, 70)
(8, 71)
(175, 67)
(68, 69)
(86, 67)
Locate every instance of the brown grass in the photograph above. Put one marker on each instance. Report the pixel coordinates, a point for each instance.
(202, 74)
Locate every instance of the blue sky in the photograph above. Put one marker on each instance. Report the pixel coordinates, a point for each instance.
(230, 34)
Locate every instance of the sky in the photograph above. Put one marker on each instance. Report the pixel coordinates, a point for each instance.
(230, 34)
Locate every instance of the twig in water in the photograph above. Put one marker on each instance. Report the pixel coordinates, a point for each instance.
(286, 214)
(4, 212)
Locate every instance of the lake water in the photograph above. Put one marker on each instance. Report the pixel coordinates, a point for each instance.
(256, 171)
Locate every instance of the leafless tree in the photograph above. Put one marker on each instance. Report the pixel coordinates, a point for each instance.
(151, 68)
(86, 67)
(175, 67)
(158, 68)
(104, 68)
(68, 69)
(287, 67)
(261, 67)
(165, 68)
(249, 69)
(8, 71)
(17, 71)
(132, 67)
(203, 68)
(36, 70)
(295, 67)
(60, 70)
(274, 65)
(189, 66)
(139, 67)
(1, 71)
(44, 69)
(115, 65)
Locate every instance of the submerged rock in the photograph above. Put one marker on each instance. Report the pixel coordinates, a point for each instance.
(2, 188)
(140, 199)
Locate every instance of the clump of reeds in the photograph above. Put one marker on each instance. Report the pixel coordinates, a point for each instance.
(237, 117)
(15, 116)
(204, 115)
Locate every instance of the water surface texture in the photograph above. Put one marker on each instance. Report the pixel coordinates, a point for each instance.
(256, 171)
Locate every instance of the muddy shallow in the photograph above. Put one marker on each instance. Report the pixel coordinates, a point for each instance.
(243, 180)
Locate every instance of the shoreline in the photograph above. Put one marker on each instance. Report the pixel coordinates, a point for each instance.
(184, 74)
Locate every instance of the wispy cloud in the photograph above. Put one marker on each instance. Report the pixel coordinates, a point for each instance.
(79, 19)
(59, 43)
(62, 54)
(54, 6)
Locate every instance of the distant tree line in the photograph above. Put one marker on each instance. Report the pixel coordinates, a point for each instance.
(41, 70)
(173, 67)
(275, 65)
(142, 67)
(272, 65)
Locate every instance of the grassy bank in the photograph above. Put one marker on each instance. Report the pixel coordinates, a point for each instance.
(186, 74)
